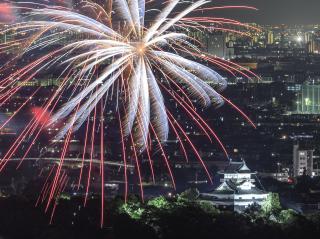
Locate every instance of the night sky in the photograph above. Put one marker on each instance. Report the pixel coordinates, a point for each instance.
(270, 11)
(275, 11)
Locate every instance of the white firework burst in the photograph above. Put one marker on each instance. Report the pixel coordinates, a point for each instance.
(126, 56)
(131, 51)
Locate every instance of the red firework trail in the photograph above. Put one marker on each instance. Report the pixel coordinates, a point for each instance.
(138, 167)
(38, 118)
(107, 66)
(147, 151)
(124, 160)
(20, 108)
(192, 146)
(102, 162)
(6, 13)
(240, 111)
(84, 152)
(45, 185)
(164, 156)
(194, 114)
(179, 139)
(91, 155)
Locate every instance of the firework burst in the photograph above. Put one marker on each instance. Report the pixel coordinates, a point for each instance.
(125, 55)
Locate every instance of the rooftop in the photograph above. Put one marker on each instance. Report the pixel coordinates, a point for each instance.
(236, 167)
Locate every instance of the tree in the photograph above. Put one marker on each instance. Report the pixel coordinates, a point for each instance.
(208, 208)
(133, 209)
(287, 216)
(272, 206)
(159, 202)
(254, 211)
(191, 194)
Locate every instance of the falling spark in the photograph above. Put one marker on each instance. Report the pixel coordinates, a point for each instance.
(119, 55)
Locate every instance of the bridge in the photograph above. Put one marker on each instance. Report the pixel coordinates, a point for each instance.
(75, 160)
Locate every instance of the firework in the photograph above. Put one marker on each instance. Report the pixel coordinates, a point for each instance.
(7, 14)
(123, 56)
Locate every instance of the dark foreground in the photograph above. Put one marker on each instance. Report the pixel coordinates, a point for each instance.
(181, 217)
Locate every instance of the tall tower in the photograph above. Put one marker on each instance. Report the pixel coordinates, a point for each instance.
(310, 42)
(302, 161)
(270, 38)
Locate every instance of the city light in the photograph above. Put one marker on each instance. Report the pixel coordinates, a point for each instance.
(113, 60)
(159, 119)
(299, 39)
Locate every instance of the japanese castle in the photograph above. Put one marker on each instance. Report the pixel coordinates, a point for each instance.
(237, 189)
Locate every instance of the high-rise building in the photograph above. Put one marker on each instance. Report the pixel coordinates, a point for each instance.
(4, 37)
(302, 161)
(216, 44)
(312, 43)
(307, 37)
(270, 40)
(311, 46)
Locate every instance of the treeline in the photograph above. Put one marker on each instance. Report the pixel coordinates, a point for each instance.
(181, 217)
(160, 218)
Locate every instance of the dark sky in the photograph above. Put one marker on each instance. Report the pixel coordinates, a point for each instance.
(275, 11)
(270, 11)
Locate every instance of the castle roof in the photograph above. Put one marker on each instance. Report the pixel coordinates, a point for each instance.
(236, 167)
(232, 187)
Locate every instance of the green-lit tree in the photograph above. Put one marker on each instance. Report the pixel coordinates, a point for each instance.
(271, 205)
(287, 216)
(133, 209)
(159, 203)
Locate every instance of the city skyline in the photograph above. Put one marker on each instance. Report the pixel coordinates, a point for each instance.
(282, 11)
(160, 119)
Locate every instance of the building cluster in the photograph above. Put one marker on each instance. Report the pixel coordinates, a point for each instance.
(284, 104)
(303, 162)
(261, 42)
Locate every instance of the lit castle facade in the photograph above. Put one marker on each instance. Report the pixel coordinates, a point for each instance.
(237, 190)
